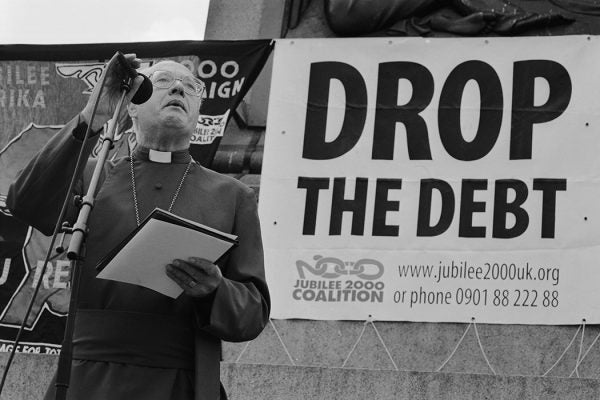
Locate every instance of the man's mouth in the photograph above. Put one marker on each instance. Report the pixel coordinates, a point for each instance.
(176, 103)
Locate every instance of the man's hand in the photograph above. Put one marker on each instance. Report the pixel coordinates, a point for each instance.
(114, 73)
(196, 276)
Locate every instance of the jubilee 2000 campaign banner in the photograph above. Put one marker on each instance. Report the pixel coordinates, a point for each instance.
(42, 88)
(434, 180)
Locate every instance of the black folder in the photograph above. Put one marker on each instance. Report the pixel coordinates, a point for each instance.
(142, 256)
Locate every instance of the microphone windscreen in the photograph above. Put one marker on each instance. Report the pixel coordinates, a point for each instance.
(144, 92)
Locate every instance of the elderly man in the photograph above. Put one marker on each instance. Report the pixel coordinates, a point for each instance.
(131, 342)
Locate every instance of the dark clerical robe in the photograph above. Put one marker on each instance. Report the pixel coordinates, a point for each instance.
(131, 342)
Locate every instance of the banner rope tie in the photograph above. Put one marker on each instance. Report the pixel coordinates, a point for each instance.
(282, 344)
(580, 348)
(564, 352)
(587, 351)
(481, 346)
(355, 344)
(579, 356)
(455, 347)
(382, 342)
(237, 360)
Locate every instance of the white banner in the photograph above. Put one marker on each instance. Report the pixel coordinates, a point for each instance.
(434, 180)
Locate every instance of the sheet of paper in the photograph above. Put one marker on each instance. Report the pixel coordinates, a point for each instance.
(142, 261)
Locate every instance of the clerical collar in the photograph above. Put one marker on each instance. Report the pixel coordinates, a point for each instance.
(163, 157)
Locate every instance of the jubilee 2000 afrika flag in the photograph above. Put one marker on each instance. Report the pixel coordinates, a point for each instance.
(43, 87)
(434, 180)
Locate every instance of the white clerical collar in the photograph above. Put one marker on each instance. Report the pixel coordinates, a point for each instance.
(164, 157)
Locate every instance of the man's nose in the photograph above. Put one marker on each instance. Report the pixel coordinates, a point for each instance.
(177, 87)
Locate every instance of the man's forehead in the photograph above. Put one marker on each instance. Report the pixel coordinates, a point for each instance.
(171, 66)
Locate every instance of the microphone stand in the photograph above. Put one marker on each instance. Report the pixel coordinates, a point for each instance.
(75, 252)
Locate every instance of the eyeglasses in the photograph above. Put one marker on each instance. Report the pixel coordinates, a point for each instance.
(165, 79)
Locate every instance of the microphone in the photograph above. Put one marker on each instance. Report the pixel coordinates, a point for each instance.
(144, 92)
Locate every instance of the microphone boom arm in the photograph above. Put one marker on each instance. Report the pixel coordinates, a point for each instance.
(80, 227)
